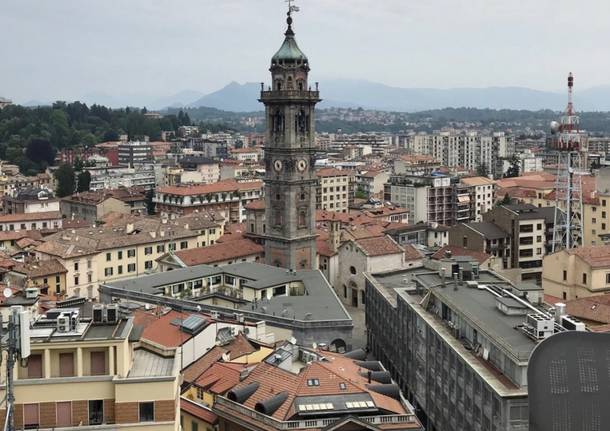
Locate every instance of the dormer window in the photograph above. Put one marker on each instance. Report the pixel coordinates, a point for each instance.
(313, 382)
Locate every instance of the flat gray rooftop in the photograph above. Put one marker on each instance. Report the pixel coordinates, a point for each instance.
(478, 306)
(318, 303)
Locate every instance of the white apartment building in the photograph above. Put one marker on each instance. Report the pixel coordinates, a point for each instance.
(335, 189)
(483, 190)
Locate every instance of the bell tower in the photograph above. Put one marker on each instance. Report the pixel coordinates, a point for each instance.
(290, 155)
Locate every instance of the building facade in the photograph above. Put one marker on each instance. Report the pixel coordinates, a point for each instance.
(335, 190)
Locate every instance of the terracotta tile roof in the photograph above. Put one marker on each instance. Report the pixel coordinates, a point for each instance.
(330, 374)
(364, 232)
(218, 187)
(238, 347)
(593, 308)
(47, 215)
(461, 251)
(132, 194)
(477, 181)
(160, 330)
(197, 368)
(411, 253)
(27, 242)
(229, 250)
(220, 377)
(333, 172)
(598, 256)
(198, 411)
(246, 150)
(40, 268)
(379, 246)
(258, 204)
(11, 235)
(324, 248)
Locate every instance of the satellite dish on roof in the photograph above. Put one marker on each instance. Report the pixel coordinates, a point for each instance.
(7, 292)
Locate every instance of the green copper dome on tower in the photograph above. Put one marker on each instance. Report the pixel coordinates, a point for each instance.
(289, 52)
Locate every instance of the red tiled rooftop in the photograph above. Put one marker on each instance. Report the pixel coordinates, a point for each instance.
(218, 187)
(228, 250)
(461, 251)
(379, 246)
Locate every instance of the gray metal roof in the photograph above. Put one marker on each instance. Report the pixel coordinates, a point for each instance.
(318, 303)
(148, 364)
(488, 230)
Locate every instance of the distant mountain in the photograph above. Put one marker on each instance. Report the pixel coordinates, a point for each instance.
(355, 93)
(180, 99)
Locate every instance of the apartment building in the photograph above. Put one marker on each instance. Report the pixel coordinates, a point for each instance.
(47, 276)
(114, 178)
(369, 183)
(379, 143)
(84, 373)
(203, 167)
(228, 198)
(248, 155)
(577, 273)
(431, 199)
(531, 232)
(31, 221)
(133, 153)
(483, 194)
(31, 200)
(95, 205)
(483, 237)
(120, 250)
(335, 189)
(458, 346)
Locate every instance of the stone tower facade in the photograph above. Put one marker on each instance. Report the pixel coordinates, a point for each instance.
(290, 155)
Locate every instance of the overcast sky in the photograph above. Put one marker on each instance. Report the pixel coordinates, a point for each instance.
(64, 49)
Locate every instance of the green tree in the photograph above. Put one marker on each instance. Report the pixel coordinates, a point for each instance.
(84, 181)
(506, 200)
(360, 194)
(64, 177)
(40, 151)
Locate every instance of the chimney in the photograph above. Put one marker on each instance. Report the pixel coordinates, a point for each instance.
(560, 311)
(369, 374)
(129, 228)
(455, 281)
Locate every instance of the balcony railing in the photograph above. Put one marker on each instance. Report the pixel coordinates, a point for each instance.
(308, 423)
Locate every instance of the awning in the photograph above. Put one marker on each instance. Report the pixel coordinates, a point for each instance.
(463, 199)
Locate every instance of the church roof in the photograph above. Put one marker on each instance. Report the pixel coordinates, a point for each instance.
(289, 51)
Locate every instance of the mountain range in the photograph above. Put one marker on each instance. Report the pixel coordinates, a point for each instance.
(345, 93)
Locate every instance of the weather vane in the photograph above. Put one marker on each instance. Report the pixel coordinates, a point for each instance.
(292, 7)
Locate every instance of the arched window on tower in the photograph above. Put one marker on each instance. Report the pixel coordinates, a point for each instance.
(300, 85)
(289, 83)
(278, 84)
(302, 217)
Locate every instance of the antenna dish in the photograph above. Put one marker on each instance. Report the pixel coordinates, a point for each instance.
(7, 292)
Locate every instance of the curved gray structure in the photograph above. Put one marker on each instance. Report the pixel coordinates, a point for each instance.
(569, 383)
(240, 395)
(357, 354)
(370, 365)
(391, 390)
(270, 405)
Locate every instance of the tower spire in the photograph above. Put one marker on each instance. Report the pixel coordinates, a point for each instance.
(291, 8)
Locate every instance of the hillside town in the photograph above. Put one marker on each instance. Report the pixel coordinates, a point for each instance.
(292, 279)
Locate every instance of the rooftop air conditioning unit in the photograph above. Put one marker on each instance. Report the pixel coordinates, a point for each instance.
(63, 323)
(31, 293)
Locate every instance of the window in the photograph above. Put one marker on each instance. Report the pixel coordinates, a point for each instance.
(96, 412)
(528, 252)
(75, 266)
(194, 426)
(98, 363)
(161, 248)
(526, 228)
(148, 264)
(593, 220)
(603, 214)
(608, 278)
(147, 411)
(66, 364)
(108, 272)
(35, 367)
(148, 251)
(76, 281)
(30, 416)
(131, 252)
(64, 413)
(131, 267)
(119, 269)
(342, 386)
(565, 275)
(172, 246)
(88, 263)
(584, 278)
(183, 245)
(313, 382)
(119, 254)
(352, 270)
(108, 257)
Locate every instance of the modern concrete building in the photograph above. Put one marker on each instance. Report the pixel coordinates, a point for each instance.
(483, 195)
(133, 153)
(335, 189)
(458, 345)
(484, 237)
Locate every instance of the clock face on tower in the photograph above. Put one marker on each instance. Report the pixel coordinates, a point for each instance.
(301, 165)
(277, 165)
